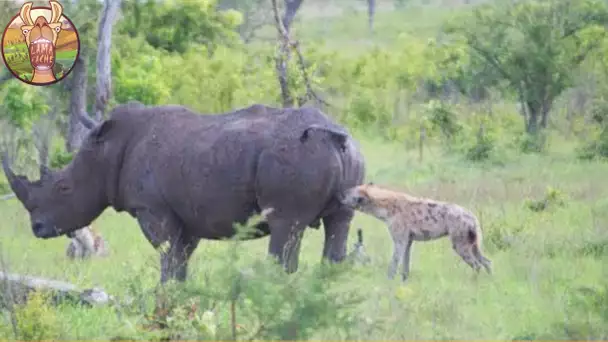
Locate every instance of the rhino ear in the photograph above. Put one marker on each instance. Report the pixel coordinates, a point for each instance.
(99, 133)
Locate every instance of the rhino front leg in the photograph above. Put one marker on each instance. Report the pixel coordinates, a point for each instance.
(174, 261)
(336, 227)
(159, 227)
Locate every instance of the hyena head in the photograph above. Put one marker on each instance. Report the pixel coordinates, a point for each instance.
(370, 199)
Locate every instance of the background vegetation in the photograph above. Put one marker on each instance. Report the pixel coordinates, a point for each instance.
(498, 106)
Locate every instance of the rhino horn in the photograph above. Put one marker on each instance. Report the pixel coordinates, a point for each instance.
(19, 184)
(339, 136)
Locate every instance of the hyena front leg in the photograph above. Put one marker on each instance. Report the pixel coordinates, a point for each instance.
(399, 248)
(405, 272)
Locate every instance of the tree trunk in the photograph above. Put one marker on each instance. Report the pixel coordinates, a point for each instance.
(291, 8)
(104, 57)
(544, 119)
(532, 118)
(371, 12)
(78, 104)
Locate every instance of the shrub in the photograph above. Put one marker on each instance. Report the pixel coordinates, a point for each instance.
(36, 319)
(587, 314)
(251, 300)
(552, 198)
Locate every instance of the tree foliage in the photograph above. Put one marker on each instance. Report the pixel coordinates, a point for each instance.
(174, 26)
(534, 46)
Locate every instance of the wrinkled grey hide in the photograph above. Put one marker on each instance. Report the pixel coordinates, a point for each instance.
(187, 177)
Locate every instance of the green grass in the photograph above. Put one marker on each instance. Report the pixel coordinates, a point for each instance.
(548, 254)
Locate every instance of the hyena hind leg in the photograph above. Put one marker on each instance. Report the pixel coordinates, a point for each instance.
(463, 248)
(485, 262)
(406, 262)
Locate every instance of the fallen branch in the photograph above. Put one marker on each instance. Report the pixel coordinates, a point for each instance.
(6, 197)
(23, 285)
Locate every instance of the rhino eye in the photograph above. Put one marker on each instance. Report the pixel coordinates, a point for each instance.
(62, 187)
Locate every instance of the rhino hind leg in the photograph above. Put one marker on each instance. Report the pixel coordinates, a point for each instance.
(337, 225)
(285, 242)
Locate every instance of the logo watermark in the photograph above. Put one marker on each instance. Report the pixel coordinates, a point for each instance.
(40, 45)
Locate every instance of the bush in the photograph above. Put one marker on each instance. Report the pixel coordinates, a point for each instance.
(445, 120)
(552, 198)
(596, 148)
(36, 319)
(251, 300)
(587, 314)
(533, 143)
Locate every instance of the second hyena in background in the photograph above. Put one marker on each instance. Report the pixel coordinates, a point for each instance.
(412, 219)
(86, 242)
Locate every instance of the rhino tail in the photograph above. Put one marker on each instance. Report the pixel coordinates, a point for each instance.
(338, 136)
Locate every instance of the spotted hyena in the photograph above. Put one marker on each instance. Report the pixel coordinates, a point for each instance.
(86, 242)
(412, 219)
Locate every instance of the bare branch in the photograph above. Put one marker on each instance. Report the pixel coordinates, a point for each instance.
(310, 93)
(104, 65)
(79, 118)
(286, 43)
(281, 58)
(492, 60)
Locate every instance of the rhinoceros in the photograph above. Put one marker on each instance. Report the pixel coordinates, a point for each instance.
(186, 177)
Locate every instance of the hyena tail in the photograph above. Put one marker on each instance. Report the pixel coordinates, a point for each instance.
(475, 240)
